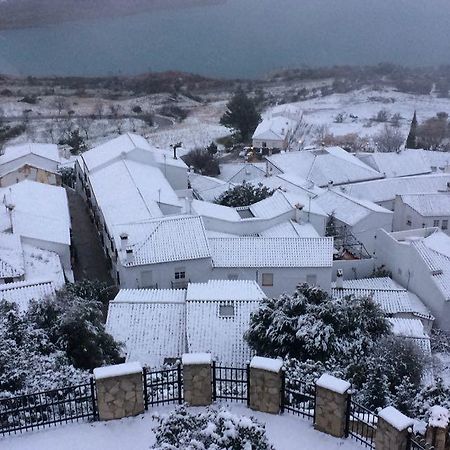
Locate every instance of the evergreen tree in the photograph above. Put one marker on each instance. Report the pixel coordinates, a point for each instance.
(241, 115)
(244, 194)
(411, 141)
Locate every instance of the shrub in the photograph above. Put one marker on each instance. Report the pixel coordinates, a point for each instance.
(212, 429)
(202, 162)
(243, 195)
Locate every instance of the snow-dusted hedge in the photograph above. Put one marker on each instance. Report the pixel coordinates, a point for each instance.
(212, 429)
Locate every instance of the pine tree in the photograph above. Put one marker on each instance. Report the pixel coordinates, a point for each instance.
(411, 141)
(241, 115)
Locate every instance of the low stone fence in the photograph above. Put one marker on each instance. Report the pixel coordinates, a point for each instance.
(121, 391)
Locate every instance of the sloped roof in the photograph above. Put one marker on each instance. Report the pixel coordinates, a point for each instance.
(179, 238)
(290, 229)
(413, 329)
(274, 128)
(47, 151)
(132, 191)
(325, 165)
(150, 296)
(208, 209)
(150, 331)
(386, 189)
(237, 172)
(225, 290)
(273, 206)
(429, 205)
(223, 337)
(11, 256)
(271, 252)
(23, 292)
(40, 211)
(398, 164)
(347, 209)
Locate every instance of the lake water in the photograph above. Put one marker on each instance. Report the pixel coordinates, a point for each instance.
(240, 38)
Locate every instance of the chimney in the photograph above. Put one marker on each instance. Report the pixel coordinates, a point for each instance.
(268, 169)
(123, 241)
(130, 257)
(330, 184)
(340, 279)
(188, 205)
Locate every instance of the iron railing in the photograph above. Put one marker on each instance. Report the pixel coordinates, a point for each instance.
(46, 408)
(163, 387)
(297, 397)
(231, 383)
(416, 442)
(361, 423)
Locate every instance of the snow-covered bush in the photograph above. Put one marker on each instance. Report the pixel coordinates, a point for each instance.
(212, 429)
(243, 195)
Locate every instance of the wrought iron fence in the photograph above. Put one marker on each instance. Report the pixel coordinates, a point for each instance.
(41, 409)
(361, 423)
(231, 383)
(163, 387)
(416, 442)
(298, 397)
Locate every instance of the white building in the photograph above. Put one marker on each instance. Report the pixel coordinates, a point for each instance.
(277, 264)
(158, 326)
(274, 133)
(34, 162)
(419, 260)
(422, 211)
(39, 214)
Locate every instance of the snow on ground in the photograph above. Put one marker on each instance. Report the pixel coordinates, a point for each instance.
(286, 432)
(199, 129)
(365, 104)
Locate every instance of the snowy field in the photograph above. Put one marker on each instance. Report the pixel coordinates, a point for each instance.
(285, 433)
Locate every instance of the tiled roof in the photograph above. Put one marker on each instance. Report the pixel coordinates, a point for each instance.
(385, 190)
(325, 165)
(225, 290)
(290, 229)
(179, 238)
(398, 164)
(413, 329)
(23, 292)
(429, 204)
(391, 297)
(271, 252)
(223, 337)
(47, 151)
(273, 206)
(151, 296)
(150, 331)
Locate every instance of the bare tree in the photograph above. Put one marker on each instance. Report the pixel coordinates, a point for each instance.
(389, 139)
(85, 124)
(60, 103)
(98, 109)
(50, 131)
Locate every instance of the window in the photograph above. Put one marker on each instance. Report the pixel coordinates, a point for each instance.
(436, 222)
(267, 279)
(233, 276)
(180, 273)
(311, 279)
(226, 310)
(9, 280)
(147, 279)
(445, 224)
(264, 144)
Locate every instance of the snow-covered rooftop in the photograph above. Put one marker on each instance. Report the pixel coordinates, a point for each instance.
(290, 229)
(274, 128)
(349, 210)
(207, 209)
(385, 292)
(22, 292)
(429, 205)
(40, 211)
(273, 206)
(224, 290)
(13, 152)
(397, 164)
(385, 190)
(271, 252)
(238, 172)
(332, 164)
(150, 296)
(151, 331)
(178, 238)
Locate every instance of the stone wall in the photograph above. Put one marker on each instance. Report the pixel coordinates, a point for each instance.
(331, 405)
(120, 391)
(265, 385)
(197, 380)
(392, 430)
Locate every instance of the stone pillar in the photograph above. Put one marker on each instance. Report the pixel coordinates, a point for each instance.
(438, 426)
(392, 430)
(120, 391)
(197, 379)
(331, 405)
(265, 384)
